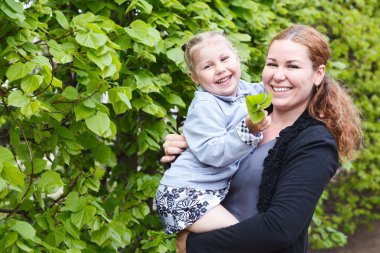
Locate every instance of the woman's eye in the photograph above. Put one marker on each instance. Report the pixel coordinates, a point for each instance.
(293, 66)
(225, 58)
(271, 64)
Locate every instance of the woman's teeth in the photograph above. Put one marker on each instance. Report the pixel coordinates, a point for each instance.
(281, 89)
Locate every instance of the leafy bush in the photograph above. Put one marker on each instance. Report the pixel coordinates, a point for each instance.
(90, 88)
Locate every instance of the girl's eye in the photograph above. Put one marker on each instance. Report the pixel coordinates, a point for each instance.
(225, 58)
(207, 67)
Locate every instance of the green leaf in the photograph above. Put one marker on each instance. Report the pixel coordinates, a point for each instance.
(71, 229)
(91, 39)
(22, 228)
(93, 183)
(13, 175)
(102, 61)
(56, 82)
(30, 83)
(50, 182)
(5, 156)
(141, 211)
(155, 109)
(18, 99)
(70, 93)
(23, 246)
(255, 105)
(119, 100)
(19, 70)
(39, 165)
(31, 109)
(84, 216)
(74, 203)
(145, 81)
(176, 55)
(3, 184)
(15, 6)
(56, 236)
(102, 153)
(81, 111)
(101, 236)
(142, 32)
(99, 123)
(10, 239)
(61, 19)
(141, 5)
(175, 100)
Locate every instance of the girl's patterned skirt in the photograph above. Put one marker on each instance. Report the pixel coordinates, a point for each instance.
(178, 208)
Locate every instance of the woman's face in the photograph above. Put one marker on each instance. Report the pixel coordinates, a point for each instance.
(289, 75)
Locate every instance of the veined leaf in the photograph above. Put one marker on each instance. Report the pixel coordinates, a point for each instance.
(5, 155)
(30, 83)
(18, 99)
(81, 111)
(31, 108)
(83, 216)
(61, 19)
(19, 70)
(50, 182)
(70, 93)
(102, 61)
(98, 123)
(144, 33)
(176, 55)
(91, 39)
(74, 203)
(22, 228)
(13, 175)
(256, 104)
(101, 236)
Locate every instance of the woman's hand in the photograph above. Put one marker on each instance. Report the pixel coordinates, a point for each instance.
(174, 145)
(181, 241)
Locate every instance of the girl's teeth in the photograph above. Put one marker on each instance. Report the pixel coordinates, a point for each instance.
(223, 80)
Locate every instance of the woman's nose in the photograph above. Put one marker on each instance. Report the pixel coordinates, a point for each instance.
(279, 74)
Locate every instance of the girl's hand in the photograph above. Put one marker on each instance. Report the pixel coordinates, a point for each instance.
(258, 127)
(181, 241)
(174, 145)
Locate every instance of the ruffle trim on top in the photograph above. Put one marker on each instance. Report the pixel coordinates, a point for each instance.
(274, 161)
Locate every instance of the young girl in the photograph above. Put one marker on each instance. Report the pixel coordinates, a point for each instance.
(190, 192)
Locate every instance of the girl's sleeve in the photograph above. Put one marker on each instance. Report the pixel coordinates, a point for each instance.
(307, 170)
(207, 136)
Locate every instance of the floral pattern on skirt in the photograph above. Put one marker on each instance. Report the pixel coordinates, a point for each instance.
(178, 208)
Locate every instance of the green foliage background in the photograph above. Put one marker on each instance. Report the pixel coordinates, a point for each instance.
(90, 88)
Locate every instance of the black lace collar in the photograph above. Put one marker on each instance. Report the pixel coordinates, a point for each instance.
(273, 162)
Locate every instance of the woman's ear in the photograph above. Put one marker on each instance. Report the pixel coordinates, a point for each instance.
(320, 74)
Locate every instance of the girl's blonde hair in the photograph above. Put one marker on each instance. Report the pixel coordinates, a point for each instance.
(190, 47)
(331, 102)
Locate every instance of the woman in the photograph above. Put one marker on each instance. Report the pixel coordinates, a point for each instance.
(314, 126)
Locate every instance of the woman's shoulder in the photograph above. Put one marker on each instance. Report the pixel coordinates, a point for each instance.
(316, 132)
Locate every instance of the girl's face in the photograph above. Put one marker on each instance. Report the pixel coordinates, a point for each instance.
(289, 75)
(216, 67)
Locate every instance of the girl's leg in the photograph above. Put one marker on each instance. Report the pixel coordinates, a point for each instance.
(218, 217)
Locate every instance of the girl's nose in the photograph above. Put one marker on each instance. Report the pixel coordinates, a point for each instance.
(220, 69)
